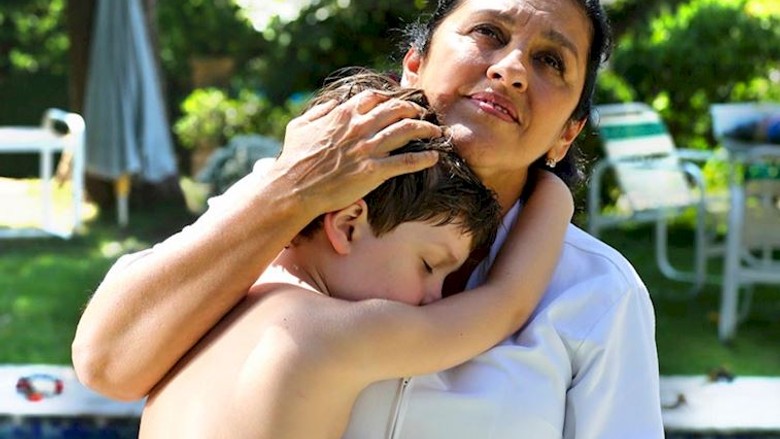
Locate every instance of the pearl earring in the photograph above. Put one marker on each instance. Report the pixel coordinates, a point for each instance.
(550, 162)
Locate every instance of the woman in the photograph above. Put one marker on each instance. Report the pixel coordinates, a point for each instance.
(513, 79)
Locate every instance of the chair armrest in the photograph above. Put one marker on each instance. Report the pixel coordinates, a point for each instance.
(689, 168)
(696, 155)
(762, 153)
(74, 122)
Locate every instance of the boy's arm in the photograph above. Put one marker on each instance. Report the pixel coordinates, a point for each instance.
(389, 339)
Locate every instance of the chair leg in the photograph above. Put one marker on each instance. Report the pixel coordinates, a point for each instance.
(701, 252)
(747, 302)
(698, 276)
(727, 321)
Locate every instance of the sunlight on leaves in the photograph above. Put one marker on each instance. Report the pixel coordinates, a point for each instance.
(114, 249)
(263, 13)
(23, 306)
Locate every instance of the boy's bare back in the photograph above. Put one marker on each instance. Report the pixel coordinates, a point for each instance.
(239, 380)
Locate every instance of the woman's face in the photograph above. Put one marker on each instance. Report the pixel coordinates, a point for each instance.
(505, 75)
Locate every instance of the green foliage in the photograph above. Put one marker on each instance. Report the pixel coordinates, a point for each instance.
(704, 52)
(201, 27)
(32, 36)
(210, 117)
(297, 56)
(202, 118)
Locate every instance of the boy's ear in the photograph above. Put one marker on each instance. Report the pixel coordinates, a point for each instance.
(411, 64)
(343, 227)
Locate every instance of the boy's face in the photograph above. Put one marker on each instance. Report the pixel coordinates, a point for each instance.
(407, 264)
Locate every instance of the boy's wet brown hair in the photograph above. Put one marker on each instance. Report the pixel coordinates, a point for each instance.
(446, 193)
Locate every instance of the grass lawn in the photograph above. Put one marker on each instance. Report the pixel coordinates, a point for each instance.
(44, 284)
(687, 326)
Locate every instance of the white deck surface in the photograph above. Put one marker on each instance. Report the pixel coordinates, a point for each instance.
(75, 399)
(746, 404)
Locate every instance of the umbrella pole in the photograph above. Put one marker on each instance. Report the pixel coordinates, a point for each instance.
(122, 191)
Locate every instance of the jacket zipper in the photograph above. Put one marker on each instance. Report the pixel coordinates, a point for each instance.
(392, 432)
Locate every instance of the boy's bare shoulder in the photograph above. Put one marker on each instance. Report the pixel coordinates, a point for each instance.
(282, 301)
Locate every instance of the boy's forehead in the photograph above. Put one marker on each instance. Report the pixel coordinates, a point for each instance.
(450, 239)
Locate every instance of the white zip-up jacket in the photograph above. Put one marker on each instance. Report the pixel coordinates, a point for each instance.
(584, 366)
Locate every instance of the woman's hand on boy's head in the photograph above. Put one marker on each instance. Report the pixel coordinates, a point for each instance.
(336, 153)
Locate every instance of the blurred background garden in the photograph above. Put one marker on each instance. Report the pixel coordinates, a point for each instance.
(232, 68)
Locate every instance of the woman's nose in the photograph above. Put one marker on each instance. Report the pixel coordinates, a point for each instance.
(510, 70)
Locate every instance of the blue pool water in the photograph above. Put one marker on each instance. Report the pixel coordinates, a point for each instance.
(68, 428)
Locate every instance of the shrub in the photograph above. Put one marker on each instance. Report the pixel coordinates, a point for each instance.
(232, 162)
(211, 118)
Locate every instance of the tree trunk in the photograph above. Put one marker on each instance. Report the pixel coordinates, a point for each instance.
(80, 14)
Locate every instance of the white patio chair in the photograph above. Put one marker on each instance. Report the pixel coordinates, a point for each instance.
(657, 182)
(753, 240)
(45, 140)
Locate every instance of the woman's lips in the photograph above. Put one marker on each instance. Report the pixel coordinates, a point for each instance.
(496, 105)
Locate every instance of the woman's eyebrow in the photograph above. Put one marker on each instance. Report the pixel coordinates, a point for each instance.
(561, 39)
(551, 34)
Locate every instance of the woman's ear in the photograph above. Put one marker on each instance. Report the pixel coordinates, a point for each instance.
(342, 227)
(411, 64)
(570, 132)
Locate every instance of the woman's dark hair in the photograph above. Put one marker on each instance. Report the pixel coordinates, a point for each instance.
(420, 34)
(447, 193)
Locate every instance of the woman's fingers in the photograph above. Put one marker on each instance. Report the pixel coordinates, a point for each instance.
(400, 133)
(389, 112)
(408, 162)
(318, 111)
(335, 154)
(389, 123)
(367, 100)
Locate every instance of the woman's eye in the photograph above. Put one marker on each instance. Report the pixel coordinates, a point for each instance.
(554, 61)
(427, 267)
(490, 31)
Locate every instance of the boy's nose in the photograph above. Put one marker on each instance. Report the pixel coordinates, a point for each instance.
(432, 293)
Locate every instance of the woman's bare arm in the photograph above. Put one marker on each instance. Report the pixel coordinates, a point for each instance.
(147, 313)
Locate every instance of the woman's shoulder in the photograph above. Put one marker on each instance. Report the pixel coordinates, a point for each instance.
(590, 258)
(591, 281)
(594, 287)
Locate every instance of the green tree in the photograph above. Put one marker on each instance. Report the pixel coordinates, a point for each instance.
(298, 55)
(703, 52)
(32, 37)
